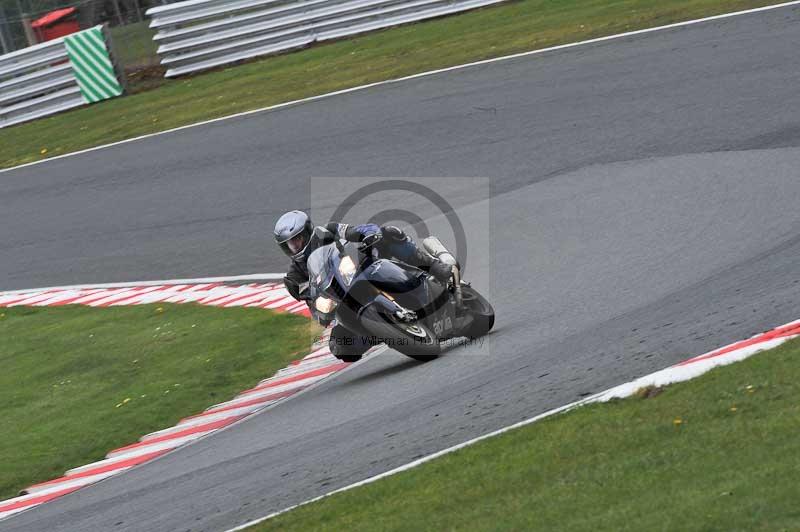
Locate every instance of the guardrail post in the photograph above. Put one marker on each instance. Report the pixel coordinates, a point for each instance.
(313, 27)
(3, 42)
(30, 36)
(120, 20)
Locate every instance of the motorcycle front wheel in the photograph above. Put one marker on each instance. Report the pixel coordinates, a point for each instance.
(414, 339)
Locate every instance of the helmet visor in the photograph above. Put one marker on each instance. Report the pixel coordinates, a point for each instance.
(297, 243)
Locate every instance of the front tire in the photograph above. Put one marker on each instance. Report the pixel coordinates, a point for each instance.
(344, 350)
(414, 340)
(348, 358)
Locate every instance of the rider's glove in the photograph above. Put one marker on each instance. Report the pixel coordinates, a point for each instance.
(370, 234)
(371, 240)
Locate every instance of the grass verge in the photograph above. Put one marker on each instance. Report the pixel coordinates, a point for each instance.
(719, 452)
(135, 51)
(516, 26)
(77, 382)
(134, 44)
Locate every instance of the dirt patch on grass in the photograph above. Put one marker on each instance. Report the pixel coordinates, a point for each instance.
(648, 392)
(144, 77)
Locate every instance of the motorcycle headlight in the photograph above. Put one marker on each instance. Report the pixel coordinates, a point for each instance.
(324, 305)
(347, 269)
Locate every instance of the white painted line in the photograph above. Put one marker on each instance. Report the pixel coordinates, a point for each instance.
(260, 390)
(123, 294)
(34, 491)
(96, 295)
(9, 513)
(33, 299)
(222, 293)
(153, 447)
(247, 277)
(285, 300)
(233, 295)
(296, 308)
(269, 390)
(260, 297)
(159, 446)
(244, 398)
(67, 482)
(309, 365)
(413, 76)
(672, 374)
(157, 296)
(303, 367)
(58, 296)
(172, 430)
(202, 419)
(9, 297)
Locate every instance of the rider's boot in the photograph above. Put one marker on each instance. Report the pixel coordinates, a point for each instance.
(441, 271)
(442, 261)
(397, 244)
(435, 248)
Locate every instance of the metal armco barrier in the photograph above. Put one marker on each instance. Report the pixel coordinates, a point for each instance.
(55, 76)
(200, 34)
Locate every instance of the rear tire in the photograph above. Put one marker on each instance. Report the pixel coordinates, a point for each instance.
(481, 311)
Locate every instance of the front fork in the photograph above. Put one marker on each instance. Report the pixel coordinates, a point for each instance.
(388, 306)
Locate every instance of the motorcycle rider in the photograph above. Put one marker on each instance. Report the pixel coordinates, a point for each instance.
(294, 233)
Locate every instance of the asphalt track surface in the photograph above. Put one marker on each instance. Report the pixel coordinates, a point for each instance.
(643, 207)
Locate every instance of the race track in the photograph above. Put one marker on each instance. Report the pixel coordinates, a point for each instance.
(644, 209)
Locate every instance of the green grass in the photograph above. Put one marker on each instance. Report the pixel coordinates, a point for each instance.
(134, 45)
(720, 452)
(67, 373)
(512, 27)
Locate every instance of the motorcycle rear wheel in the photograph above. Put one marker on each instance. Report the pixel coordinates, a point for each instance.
(481, 311)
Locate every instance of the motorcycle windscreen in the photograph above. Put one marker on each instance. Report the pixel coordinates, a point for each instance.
(321, 269)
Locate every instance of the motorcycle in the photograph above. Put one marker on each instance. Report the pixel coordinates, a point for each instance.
(385, 301)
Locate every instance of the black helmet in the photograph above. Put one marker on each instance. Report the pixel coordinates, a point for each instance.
(293, 233)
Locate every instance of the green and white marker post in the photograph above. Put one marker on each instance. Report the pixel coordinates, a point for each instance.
(92, 65)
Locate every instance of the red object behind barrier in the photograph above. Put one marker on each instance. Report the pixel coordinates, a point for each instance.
(56, 24)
